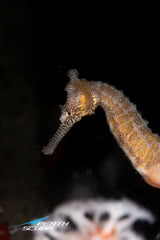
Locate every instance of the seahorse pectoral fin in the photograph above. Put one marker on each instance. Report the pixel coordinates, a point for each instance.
(152, 176)
(60, 133)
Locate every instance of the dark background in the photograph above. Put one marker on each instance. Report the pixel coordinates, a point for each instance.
(39, 43)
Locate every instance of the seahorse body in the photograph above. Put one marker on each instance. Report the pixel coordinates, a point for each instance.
(131, 132)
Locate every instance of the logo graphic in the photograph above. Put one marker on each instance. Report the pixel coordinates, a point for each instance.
(34, 222)
(39, 225)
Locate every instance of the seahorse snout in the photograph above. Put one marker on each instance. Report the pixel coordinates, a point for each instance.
(60, 133)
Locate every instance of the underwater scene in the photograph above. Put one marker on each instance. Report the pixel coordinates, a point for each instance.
(79, 134)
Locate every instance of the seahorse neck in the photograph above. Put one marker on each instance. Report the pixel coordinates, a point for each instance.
(108, 96)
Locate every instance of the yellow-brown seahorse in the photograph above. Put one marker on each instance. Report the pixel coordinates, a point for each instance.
(131, 132)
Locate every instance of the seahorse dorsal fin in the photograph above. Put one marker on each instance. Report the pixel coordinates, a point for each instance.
(73, 75)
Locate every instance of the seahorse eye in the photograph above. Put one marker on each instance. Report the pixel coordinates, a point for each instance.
(69, 113)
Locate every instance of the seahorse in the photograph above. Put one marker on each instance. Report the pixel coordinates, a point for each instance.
(138, 142)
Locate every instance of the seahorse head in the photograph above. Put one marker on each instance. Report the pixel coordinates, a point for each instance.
(80, 102)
